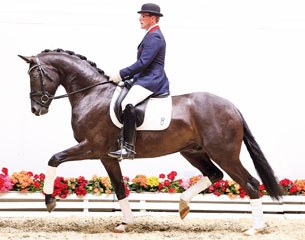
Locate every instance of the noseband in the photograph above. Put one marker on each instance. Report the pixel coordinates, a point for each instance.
(44, 95)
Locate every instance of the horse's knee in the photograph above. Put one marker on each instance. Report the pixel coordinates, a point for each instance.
(53, 162)
(216, 176)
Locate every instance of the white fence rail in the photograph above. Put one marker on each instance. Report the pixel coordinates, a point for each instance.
(23, 203)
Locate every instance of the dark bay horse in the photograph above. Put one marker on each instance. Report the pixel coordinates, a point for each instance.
(204, 128)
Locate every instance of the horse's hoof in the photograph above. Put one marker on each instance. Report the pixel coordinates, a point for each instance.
(50, 202)
(184, 209)
(121, 228)
(253, 232)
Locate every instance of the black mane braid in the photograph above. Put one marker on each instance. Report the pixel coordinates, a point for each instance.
(93, 64)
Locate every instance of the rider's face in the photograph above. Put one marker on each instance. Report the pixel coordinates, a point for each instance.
(146, 21)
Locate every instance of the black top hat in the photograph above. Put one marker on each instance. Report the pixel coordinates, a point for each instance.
(151, 8)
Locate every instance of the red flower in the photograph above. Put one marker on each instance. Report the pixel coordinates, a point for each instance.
(42, 176)
(262, 187)
(60, 188)
(242, 193)
(285, 182)
(171, 190)
(167, 183)
(37, 184)
(127, 192)
(30, 174)
(5, 171)
(171, 176)
(162, 175)
(217, 193)
(81, 179)
(160, 186)
(293, 189)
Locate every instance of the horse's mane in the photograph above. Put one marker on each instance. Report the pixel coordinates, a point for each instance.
(93, 64)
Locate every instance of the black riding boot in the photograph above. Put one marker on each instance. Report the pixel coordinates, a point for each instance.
(129, 135)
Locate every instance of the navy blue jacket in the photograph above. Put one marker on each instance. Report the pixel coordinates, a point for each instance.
(148, 70)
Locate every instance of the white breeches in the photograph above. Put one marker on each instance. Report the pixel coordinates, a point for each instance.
(136, 95)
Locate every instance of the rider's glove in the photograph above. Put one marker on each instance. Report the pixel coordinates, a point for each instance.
(116, 78)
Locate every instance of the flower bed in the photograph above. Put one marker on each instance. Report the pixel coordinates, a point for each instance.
(25, 181)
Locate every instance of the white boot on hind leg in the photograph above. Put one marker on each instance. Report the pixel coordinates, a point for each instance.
(258, 218)
(127, 217)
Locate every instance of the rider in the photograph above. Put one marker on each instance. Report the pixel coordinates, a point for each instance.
(148, 75)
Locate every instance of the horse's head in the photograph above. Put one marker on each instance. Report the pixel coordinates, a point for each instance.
(44, 83)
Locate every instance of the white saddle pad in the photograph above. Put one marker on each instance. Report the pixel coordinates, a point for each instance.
(158, 113)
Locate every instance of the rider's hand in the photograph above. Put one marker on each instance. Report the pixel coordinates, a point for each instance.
(116, 78)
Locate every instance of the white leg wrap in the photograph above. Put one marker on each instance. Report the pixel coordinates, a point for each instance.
(257, 213)
(49, 180)
(200, 186)
(126, 210)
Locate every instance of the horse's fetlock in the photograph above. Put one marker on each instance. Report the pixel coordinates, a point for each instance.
(54, 162)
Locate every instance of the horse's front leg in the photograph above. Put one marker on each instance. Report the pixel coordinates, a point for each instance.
(79, 152)
(114, 172)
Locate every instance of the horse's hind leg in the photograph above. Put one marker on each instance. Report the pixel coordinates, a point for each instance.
(203, 163)
(251, 185)
(211, 174)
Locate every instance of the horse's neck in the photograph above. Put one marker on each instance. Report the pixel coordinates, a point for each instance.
(75, 75)
(78, 78)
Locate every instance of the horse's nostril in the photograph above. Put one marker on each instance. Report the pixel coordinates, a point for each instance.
(33, 110)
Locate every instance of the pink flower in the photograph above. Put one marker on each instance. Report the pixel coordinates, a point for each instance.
(185, 183)
(126, 179)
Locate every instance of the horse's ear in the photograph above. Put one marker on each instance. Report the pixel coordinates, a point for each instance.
(27, 59)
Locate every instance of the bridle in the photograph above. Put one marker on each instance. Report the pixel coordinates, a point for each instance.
(44, 95)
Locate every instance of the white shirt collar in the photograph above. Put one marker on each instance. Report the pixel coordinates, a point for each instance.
(152, 27)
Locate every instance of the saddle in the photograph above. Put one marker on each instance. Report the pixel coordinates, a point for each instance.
(149, 110)
(139, 108)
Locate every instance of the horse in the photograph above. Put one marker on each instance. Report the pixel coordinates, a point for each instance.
(205, 129)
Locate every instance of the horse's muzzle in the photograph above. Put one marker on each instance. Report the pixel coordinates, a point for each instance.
(38, 110)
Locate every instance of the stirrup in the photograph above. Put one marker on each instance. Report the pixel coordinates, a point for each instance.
(123, 153)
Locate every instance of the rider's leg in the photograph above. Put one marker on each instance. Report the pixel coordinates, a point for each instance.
(135, 95)
(129, 134)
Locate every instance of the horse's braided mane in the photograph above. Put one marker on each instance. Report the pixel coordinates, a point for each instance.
(93, 64)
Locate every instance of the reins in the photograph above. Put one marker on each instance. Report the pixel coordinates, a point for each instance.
(79, 90)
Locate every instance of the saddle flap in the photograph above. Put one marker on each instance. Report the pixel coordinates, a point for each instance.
(152, 113)
(139, 108)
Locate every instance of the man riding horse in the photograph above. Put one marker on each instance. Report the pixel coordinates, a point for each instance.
(148, 76)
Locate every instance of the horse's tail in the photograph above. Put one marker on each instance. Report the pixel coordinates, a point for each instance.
(261, 164)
